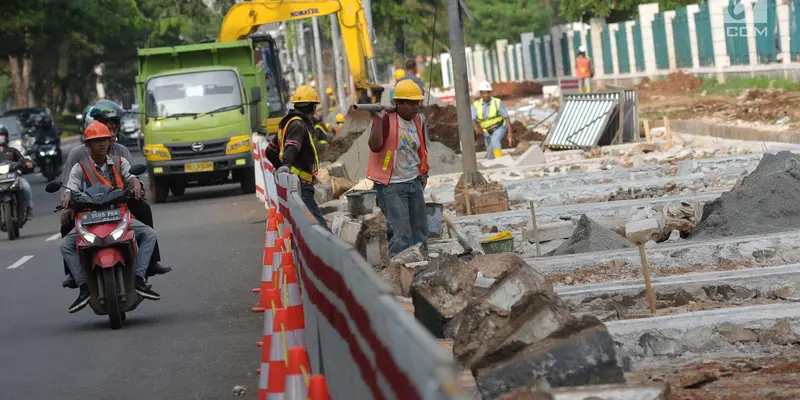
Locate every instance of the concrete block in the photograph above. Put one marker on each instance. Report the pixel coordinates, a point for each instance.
(372, 251)
(582, 358)
(643, 230)
(406, 272)
(323, 193)
(440, 291)
(547, 232)
(505, 161)
(351, 228)
(412, 254)
(340, 186)
(533, 156)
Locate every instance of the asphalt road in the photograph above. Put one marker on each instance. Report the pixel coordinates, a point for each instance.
(198, 342)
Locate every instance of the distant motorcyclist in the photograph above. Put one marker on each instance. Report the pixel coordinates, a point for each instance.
(110, 114)
(10, 154)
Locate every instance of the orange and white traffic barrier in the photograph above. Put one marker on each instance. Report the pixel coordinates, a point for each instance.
(287, 280)
(297, 367)
(318, 388)
(272, 245)
(274, 369)
(270, 267)
(272, 300)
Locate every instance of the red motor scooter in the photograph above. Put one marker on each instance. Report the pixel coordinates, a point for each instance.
(106, 248)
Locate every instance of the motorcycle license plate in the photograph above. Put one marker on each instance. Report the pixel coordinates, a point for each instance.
(199, 167)
(99, 217)
(7, 177)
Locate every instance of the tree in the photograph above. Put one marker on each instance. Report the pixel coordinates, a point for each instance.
(506, 20)
(615, 11)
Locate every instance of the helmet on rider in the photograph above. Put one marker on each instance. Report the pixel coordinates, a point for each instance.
(107, 112)
(3, 135)
(96, 130)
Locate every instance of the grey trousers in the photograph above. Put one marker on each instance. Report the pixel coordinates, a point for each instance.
(145, 240)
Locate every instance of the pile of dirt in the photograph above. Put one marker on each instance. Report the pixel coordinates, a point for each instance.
(443, 127)
(591, 236)
(676, 83)
(753, 105)
(338, 146)
(515, 90)
(764, 202)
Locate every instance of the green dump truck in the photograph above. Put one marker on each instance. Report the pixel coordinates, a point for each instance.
(199, 106)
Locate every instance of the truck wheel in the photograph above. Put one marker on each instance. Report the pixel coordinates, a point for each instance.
(178, 187)
(248, 181)
(159, 189)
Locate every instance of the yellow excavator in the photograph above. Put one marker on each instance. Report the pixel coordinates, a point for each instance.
(244, 18)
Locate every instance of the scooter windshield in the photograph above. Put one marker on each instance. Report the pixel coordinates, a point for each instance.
(99, 197)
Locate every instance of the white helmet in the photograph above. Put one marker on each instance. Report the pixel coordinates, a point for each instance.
(582, 49)
(485, 86)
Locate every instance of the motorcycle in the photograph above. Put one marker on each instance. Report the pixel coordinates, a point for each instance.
(13, 213)
(47, 155)
(107, 247)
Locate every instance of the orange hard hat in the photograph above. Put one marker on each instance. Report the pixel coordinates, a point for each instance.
(96, 130)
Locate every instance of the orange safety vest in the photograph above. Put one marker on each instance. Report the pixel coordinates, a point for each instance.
(94, 177)
(583, 67)
(380, 165)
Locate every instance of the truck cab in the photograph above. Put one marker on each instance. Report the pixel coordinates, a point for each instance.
(198, 120)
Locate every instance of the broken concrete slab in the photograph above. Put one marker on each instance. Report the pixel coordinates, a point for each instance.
(441, 290)
(589, 236)
(331, 170)
(644, 230)
(627, 391)
(502, 162)
(582, 353)
(323, 193)
(407, 272)
(340, 186)
(532, 156)
(413, 254)
(551, 231)
(350, 231)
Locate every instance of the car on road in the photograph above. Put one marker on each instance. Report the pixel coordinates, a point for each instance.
(130, 130)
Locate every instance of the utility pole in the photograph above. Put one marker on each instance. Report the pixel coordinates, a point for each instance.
(320, 77)
(466, 135)
(301, 44)
(341, 103)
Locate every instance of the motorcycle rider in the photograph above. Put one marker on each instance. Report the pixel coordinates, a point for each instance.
(8, 153)
(114, 171)
(110, 114)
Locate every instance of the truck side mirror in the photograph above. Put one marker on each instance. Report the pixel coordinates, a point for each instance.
(127, 100)
(255, 95)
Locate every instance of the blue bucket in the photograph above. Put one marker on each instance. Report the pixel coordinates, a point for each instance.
(434, 211)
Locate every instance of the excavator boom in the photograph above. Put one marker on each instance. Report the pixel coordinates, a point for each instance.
(244, 18)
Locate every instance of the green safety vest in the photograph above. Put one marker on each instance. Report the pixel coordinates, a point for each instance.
(493, 118)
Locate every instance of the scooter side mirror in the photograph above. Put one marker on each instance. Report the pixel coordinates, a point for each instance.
(53, 187)
(138, 169)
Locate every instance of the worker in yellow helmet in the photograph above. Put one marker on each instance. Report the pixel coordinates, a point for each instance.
(331, 100)
(295, 149)
(339, 124)
(398, 166)
(490, 119)
(398, 75)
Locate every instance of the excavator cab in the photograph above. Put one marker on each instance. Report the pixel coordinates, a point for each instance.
(277, 96)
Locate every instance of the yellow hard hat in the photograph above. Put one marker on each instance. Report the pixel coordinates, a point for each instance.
(329, 91)
(305, 94)
(407, 90)
(310, 77)
(345, 86)
(399, 73)
(339, 118)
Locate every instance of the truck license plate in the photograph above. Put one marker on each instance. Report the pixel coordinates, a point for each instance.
(199, 167)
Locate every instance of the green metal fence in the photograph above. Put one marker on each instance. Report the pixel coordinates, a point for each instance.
(660, 41)
(542, 49)
(534, 60)
(589, 43)
(492, 63)
(705, 45)
(552, 58)
(623, 60)
(565, 55)
(681, 39)
(638, 47)
(766, 31)
(576, 42)
(608, 57)
(736, 34)
(794, 29)
(516, 65)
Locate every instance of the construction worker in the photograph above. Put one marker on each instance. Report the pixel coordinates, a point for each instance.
(398, 166)
(411, 73)
(322, 131)
(398, 74)
(339, 124)
(584, 71)
(331, 100)
(490, 119)
(294, 149)
(346, 90)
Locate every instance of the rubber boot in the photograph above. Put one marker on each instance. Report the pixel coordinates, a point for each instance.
(497, 153)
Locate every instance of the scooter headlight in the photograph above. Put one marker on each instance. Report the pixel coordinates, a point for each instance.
(116, 234)
(88, 236)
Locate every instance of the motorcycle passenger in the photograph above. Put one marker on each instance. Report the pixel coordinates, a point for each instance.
(110, 114)
(114, 171)
(10, 154)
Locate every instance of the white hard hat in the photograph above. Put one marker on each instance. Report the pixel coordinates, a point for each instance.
(485, 86)
(582, 49)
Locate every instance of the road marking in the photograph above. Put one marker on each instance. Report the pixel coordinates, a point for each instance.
(54, 237)
(19, 262)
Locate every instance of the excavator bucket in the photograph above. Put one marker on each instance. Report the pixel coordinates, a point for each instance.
(356, 121)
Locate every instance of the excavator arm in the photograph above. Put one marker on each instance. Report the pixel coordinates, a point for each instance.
(244, 18)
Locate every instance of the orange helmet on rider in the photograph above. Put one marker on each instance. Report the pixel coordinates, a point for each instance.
(96, 130)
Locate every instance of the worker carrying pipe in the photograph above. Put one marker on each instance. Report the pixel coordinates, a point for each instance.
(490, 119)
(398, 166)
(584, 70)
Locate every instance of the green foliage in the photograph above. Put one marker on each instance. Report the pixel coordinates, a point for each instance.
(615, 11)
(506, 20)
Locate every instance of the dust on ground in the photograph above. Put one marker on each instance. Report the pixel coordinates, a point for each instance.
(675, 84)
(443, 127)
(740, 378)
